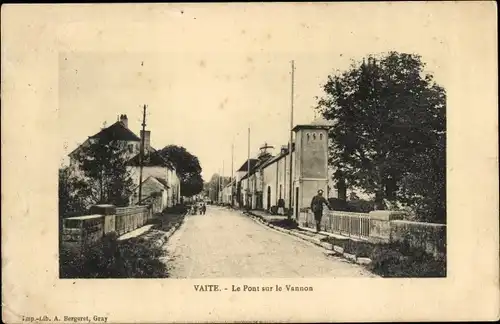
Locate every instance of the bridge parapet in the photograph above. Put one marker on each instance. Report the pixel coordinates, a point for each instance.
(381, 226)
(82, 231)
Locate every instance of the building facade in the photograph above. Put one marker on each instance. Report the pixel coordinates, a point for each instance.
(269, 182)
(161, 183)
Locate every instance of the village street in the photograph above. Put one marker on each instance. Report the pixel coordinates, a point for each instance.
(226, 243)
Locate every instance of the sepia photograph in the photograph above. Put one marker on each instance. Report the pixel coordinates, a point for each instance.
(282, 162)
(347, 180)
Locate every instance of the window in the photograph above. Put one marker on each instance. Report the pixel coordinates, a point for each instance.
(131, 148)
(314, 136)
(321, 137)
(308, 137)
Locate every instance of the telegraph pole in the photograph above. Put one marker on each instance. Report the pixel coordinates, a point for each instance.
(223, 184)
(290, 147)
(141, 154)
(218, 187)
(232, 173)
(248, 171)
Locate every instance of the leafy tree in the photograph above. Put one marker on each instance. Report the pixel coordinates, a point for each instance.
(73, 193)
(103, 163)
(389, 131)
(216, 183)
(187, 166)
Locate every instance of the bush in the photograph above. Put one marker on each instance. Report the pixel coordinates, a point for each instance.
(133, 258)
(338, 204)
(396, 260)
(355, 206)
(360, 206)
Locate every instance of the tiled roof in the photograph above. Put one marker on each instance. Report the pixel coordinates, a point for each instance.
(245, 165)
(117, 132)
(152, 158)
(163, 182)
(265, 163)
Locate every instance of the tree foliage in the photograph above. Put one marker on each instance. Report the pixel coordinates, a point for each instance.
(103, 164)
(216, 183)
(188, 168)
(73, 194)
(389, 131)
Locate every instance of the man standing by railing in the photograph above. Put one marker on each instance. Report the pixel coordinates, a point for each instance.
(317, 208)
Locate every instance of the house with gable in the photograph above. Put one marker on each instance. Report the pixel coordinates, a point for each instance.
(242, 196)
(161, 184)
(160, 179)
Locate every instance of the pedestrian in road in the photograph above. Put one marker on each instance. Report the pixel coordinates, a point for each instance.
(317, 208)
(281, 206)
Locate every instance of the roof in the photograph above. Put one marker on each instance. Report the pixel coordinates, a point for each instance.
(117, 132)
(318, 123)
(159, 180)
(153, 158)
(244, 166)
(163, 182)
(265, 163)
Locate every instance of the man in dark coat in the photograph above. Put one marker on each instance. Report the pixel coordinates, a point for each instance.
(317, 207)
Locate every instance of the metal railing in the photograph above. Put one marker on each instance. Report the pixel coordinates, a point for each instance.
(344, 223)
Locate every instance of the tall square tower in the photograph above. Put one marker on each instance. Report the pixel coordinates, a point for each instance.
(311, 163)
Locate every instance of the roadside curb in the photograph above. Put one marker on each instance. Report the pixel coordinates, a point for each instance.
(337, 250)
(161, 242)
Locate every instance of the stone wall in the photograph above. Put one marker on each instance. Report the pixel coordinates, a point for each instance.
(82, 231)
(428, 236)
(381, 226)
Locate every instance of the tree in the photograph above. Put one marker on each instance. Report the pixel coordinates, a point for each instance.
(73, 194)
(389, 130)
(188, 168)
(103, 163)
(216, 183)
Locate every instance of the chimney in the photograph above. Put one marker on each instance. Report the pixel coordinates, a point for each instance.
(124, 120)
(147, 136)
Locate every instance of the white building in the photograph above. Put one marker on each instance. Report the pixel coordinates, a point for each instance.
(269, 179)
(161, 184)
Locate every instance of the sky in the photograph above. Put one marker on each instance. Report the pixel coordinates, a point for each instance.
(206, 77)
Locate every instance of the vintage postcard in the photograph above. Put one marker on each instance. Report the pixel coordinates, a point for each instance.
(277, 162)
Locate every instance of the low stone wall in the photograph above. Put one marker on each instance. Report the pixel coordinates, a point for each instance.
(427, 236)
(381, 226)
(79, 232)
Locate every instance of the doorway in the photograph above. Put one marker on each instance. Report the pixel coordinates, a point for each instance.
(297, 203)
(268, 197)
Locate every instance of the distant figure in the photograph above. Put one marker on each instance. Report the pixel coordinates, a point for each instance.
(202, 208)
(317, 207)
(281, 206)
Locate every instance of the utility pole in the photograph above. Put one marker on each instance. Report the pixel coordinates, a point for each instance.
(290, 148)
(232, 174)
(223, 184)
(218, 187)
(248, 171)
(141, 154)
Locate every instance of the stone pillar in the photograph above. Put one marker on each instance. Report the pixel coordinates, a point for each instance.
(380, 226)
(109, 213)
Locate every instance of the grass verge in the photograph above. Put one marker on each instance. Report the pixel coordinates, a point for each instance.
(136, 257)
(394, 259)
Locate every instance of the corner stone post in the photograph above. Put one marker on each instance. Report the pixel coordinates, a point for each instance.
(109, 213)
(380, 225)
